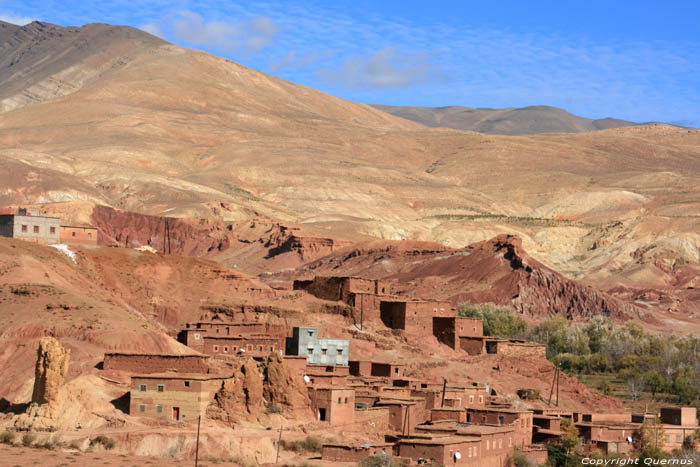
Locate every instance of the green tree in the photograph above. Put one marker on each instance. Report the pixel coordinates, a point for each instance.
(554, 333)
(570, 438)
(649, 439)
(598, 330)
(498, 321)
(654, 382)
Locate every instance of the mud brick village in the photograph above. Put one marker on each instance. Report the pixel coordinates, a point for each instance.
(261, 382)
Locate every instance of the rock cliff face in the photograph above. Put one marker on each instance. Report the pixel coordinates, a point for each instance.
(258, 391)
(51, 369)
(495, 271)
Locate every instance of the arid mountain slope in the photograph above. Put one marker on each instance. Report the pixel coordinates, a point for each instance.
(517, 121)
(182, 133)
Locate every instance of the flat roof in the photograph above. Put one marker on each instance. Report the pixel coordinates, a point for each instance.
(247, 336)
(30, 216)
(443, 440)
(193, 353)
(182, 376)
(78, 226)
(496, 409)
(486, 429)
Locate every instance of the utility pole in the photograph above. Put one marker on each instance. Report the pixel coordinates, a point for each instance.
(558, 375)
(196, 452)
(279, 441)
(551, 391)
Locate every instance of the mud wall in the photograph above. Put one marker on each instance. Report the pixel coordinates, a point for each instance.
(145, 364)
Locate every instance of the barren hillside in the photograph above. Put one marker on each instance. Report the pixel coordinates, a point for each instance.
(518, 121)
(181, 133)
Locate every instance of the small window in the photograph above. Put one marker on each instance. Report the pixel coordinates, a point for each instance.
(471, 398)
(678, 438)
(197, 336)
(161, 388)
(89, 234)
(668, 438)
(24, 228)
(346, 400)
(72, 234)
(187, 384)
(311, 351)
(340, 400)
(225, 349)
(52, 230)
(143, 388)
(487, 444)
(216, 348)
(142, 408)
(500, 419)
(323, 351)
(340, 351)
(481, 399)
(475, 452)
(36, 229)
(235, 348)
(159, 408)
(260, 348)
(510, 442)
(311, 333)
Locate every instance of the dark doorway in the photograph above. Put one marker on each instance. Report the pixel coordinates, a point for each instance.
(176, 413)
(322, 414)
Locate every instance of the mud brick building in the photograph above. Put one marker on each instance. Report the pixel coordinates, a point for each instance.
(354, 452)
(414, 316)
(375, 368)
(80, 235)
(257, 346)
(30, 225)
(140, 363)
(342, 288)
(171, 396)
(319, 350)
(443, 450)
(519, 348)
(195, 333)
(449, 330)
(326, 375)
(333, 404)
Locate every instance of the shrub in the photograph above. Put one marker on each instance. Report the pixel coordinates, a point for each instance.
(518, 459)
(50, 444)
(28, 439)
(105, 442)
(7, 437)
(310, 444)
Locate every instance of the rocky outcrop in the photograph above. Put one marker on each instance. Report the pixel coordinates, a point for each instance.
(241, 397)
(284, 389)
(51, 369)
(257, 391)
(309, 248)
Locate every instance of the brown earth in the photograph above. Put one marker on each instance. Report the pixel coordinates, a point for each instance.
(131, 122)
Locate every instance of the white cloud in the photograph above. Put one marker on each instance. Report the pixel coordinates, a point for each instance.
(247, 36)
(152, 28)
(14, 19)
(293, 61)
(385, 69)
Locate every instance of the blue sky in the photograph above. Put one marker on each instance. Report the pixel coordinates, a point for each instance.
(637, 60)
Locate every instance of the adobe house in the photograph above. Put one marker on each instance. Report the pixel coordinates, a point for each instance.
(30, 225)
(379, 369)
(325, 375)
(354, 452)
(172, 396)
(449, 329)
(255, 346)
(141, 363)
(404, 412)
(546, 428)
(681, 416)
(324, 350)
(340, 288)
(333, 404)
(414, 316)
(81, 235)
(443, 450)
(520, 419)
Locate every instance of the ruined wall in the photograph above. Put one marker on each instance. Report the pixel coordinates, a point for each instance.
(145, 363)
(473, 346)
(518, 350)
